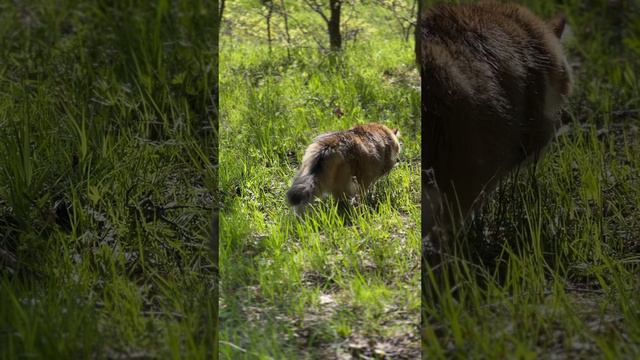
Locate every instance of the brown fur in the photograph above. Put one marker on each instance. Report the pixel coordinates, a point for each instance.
(342, 163)
(494, 78)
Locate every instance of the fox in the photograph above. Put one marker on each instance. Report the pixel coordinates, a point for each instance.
(344, 164)
(494, 79)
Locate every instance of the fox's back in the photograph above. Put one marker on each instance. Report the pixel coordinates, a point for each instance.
(365, 151)
(373, 153)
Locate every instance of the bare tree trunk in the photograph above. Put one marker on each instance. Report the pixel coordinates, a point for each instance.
(269, 5)
(286, 29)
(333, 21)
(400, 10)
(270, 11)
(333, 25)
(413, 8)
(421, 5)
(220, 11)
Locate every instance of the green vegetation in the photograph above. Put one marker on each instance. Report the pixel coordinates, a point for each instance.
(550, 266)
(330, 284)
(106, 179)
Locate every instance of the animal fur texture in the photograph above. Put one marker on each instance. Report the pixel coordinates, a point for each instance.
(494, 78)
(344, 163)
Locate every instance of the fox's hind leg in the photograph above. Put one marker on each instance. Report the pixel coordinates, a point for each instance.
(339, 183)
(343, 189)
(356, 192)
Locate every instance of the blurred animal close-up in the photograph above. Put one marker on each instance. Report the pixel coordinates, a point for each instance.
(494, 78)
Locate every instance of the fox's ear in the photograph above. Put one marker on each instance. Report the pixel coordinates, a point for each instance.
(557, 24)
(396, 132)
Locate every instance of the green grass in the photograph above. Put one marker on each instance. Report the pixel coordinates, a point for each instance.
(106, 179)
(550, 265)
(318, 286)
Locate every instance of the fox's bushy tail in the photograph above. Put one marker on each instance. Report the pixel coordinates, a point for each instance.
(303, 190)
(305, 185)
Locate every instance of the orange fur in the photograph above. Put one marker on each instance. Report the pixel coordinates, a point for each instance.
(343, 163)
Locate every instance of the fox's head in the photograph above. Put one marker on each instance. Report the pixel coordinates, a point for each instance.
(558, 25)
(396, 146)
(561, 78)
